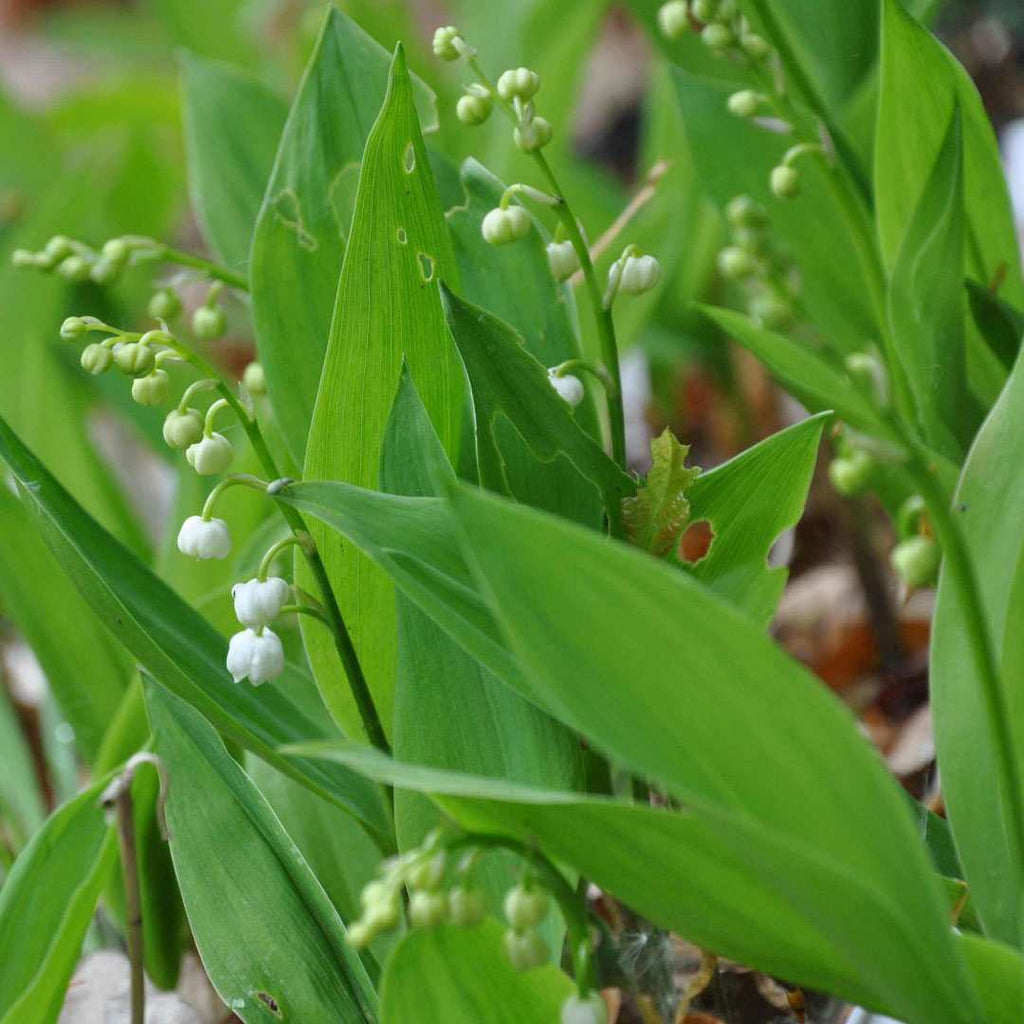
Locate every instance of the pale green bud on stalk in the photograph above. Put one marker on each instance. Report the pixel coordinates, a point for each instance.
(526, 950)
(57, 248)
(157, 337)
(518, 83)
(916, 561)
(533, 134)
(135, 359)
(74, 268)
(183, 428)
(717, 37)
(754, 46)
(639, 274)
(164, 304)
(868, 371)
(427, 909)
(910, 515)
(466, 906)
(673, 19)
(588, 1009)
(254, 378)
(743, 212)
(569, 388)
(563, 260)
(116, 250)
(705, 10)
(475, 107)
(736, 263)
(23, 258)
(785, 182)
(771, 311)
(208, 323)
(444, 43)
(152, 389)
(851, 474)
(745, 103)
(525, 908)
(73, 328)
(211, 455)
(105, 271)
(96, 359)
(500, 227)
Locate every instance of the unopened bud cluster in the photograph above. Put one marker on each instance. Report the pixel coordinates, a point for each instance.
(768, 280)
(720, 24)
(525, 908)
(79, 262)
(916, 558)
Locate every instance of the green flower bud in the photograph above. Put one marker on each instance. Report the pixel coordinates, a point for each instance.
(96, 359)
(525, 908)
(104, 271)
(466, 906)
(164, 304)
(134, 359)
(526, 950)
(533, 134)
(851, 474)
(744, 103)
(909, 516)
(427, 909)
(182, 429)
(57, 248)
(25, 258)
(673, 19)
(754, 46)
(736, 263)
(499, 227)
(208, 323)
(743, 212)
(151, 389)
(475, 107)
(73, 328)
(211, 455)
(156, 337)
(255, 379)
(518, 82)
(589, 1009)
(74, 268)
(384, 915)
(916, 561)
(785, 182)
(705, 10)
(717, 37)
(359, 936)
(444, 43)
(116, 250)
(771, 310)
(562, 260)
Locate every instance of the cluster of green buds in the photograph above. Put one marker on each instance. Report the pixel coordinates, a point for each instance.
(917, 556)
(722, 27)
(526, 906)
(768, 278)
(79, 262)
(441, 891)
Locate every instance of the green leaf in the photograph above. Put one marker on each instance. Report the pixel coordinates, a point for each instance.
(988, 504)
(387, 312)
(748, 502)
(450, 712)
(508, 382)
(921, 84)
(232, 126)
(21, 802)
(926, 304)
(1001, 325)
(181, 650)
(705, 716)
(999, 972)
(514, 283)
(288, 961)
(86, 671)
(305, 219)
(455, 975)
(46, 904)
(715, 875)
(656, 517)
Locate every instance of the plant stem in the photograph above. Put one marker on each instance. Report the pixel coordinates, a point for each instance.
(342, 640)
(208, 267)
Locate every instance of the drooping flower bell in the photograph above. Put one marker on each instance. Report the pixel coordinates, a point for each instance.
(258, 602)
(210, 455)
(639, 274)
(569, 388)
(256, 656)
(204, 538)
(500, 226)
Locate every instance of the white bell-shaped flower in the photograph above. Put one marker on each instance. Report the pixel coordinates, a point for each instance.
(500, 226)
(590, 1009)
(210, 455)
(639, 274)
(569, 388)
(258, 656)
(562, 260)
(259, 602)
(204, 538)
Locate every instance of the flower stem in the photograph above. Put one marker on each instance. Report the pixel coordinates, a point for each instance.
(186, 259)
(275, 549)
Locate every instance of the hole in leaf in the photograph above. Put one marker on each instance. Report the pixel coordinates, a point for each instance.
(270, 1002)
(402, 237)
(409, 160)
(426, 267)
(696, 541)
